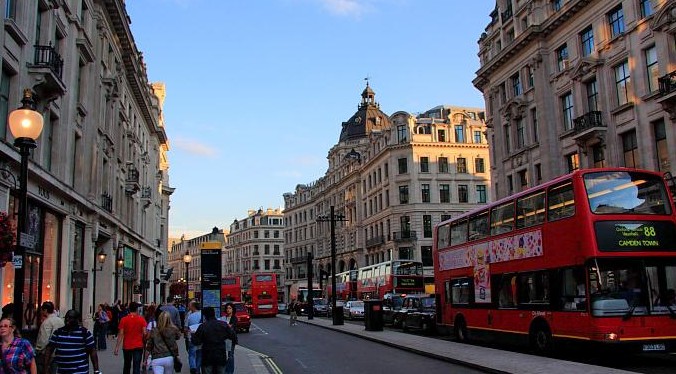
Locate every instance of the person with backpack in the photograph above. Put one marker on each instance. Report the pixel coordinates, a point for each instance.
(71, 347)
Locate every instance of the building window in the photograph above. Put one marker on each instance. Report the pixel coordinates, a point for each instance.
(510, 185)
(403, 165)
(477, 137)
(520, 133)
(598, 156)
(386, 170)
(538, 173)
(443, 164)
(531, 77)
(534, 122)
(405, 222)
(481, 196)
(567, 110)
(424, 164)
(406, 253)
(562, 57)
(479, 166)
(462, 165)
(630, 149)
(444, 193)
(425, 190)
(508, 140)
(441, 135)
(402, 133)
(516, 85)
(662, 153)
(4, 102)
(616, 21)
(403, 194)
(572, 162)
(445, 217)
(652, 69)
(592, 96)
(10, 9)
(622, 82)
(459, 134)
(646, 8)
(426, 255)
(427, 226)
(523, 179)
(462, 193)
(557, 4)
(587, 41)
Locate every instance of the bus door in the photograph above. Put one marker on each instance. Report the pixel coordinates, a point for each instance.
(570, 298)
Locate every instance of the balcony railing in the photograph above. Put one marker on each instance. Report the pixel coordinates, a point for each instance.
(404, 236)
(107, 202)
(46, 55)
(377, 240)
(667, 83)
(587, 121)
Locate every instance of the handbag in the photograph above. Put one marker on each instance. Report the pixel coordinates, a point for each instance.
(178, 365)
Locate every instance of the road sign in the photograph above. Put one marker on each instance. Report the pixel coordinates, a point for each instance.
(27, 240)
(17, 260)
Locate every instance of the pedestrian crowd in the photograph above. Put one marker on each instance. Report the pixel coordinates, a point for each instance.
(147, 336)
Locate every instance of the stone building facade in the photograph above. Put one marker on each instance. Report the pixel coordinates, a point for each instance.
(390, 179)
(254, 245)
(578, 84)
(98, 180)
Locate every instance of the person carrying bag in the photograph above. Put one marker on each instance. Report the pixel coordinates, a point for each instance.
(163, 347)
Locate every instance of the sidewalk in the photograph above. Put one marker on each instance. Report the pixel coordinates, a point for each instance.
(246, 360)
(487, 359)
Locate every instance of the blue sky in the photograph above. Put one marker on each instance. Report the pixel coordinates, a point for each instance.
(257, 90)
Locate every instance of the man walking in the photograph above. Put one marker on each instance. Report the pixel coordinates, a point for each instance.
(72, 346)
(130, 336)
(212, 335)
(173, 312)
(193, 319)
(293, 313)
(50, 323)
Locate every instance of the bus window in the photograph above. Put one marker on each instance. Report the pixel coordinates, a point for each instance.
(460, 291)
(478, 226)
(573, 289)
(502, 218)
(507, 291)
(530, 210)
(443, 236)
(560, 202)
(626, 192)
(459, 233)
(534, 288)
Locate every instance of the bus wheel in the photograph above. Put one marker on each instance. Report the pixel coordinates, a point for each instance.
(541, 338)
(460, 330)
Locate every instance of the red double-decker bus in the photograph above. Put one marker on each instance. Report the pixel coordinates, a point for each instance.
(231, 289)
(395, 276)
(264, 294)
(346, 285)
(590, 256)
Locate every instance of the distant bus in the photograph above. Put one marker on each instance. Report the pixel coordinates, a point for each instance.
(587, 257)
(264, 294)
(346, 285)
(231, 289)
(395, 276)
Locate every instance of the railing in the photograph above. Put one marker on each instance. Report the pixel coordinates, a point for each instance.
(667, 83)
(376, 240)
(107, 202)
(46, 55)
(587, 121)
(404, 236)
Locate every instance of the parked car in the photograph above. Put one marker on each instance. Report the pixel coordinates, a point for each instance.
(329, 311)
(420, 313)
(391, 305)
(353, 309)
(320, 307)
(243, 316)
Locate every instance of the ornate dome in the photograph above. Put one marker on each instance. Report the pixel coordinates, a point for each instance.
(368, 117)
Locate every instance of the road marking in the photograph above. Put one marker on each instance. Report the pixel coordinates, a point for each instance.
(256, 327)
(301, 363)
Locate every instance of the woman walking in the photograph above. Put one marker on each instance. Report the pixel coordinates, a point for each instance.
(162, 345)
(231, 319)
(17, 354)
(101, 327)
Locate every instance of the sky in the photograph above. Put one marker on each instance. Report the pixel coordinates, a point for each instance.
(257, 90)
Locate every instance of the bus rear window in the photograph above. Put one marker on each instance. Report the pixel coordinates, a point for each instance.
(622, 192)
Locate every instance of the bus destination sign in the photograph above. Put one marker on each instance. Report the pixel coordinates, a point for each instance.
(635, 235)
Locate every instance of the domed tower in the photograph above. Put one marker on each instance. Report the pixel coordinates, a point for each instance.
(368, 117)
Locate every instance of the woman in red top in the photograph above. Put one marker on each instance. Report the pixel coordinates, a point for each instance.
(131, 333)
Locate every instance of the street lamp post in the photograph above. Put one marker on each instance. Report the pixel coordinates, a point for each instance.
(25, 124)
(101, 258)
(187, 258)
(332, 220)
(119, 263)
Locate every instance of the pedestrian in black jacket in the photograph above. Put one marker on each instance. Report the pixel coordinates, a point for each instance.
(212, 335)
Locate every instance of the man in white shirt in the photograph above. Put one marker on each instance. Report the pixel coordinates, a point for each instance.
(50, 323)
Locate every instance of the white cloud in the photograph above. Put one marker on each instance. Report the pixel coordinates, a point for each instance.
(350, 8)
(194, 147)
